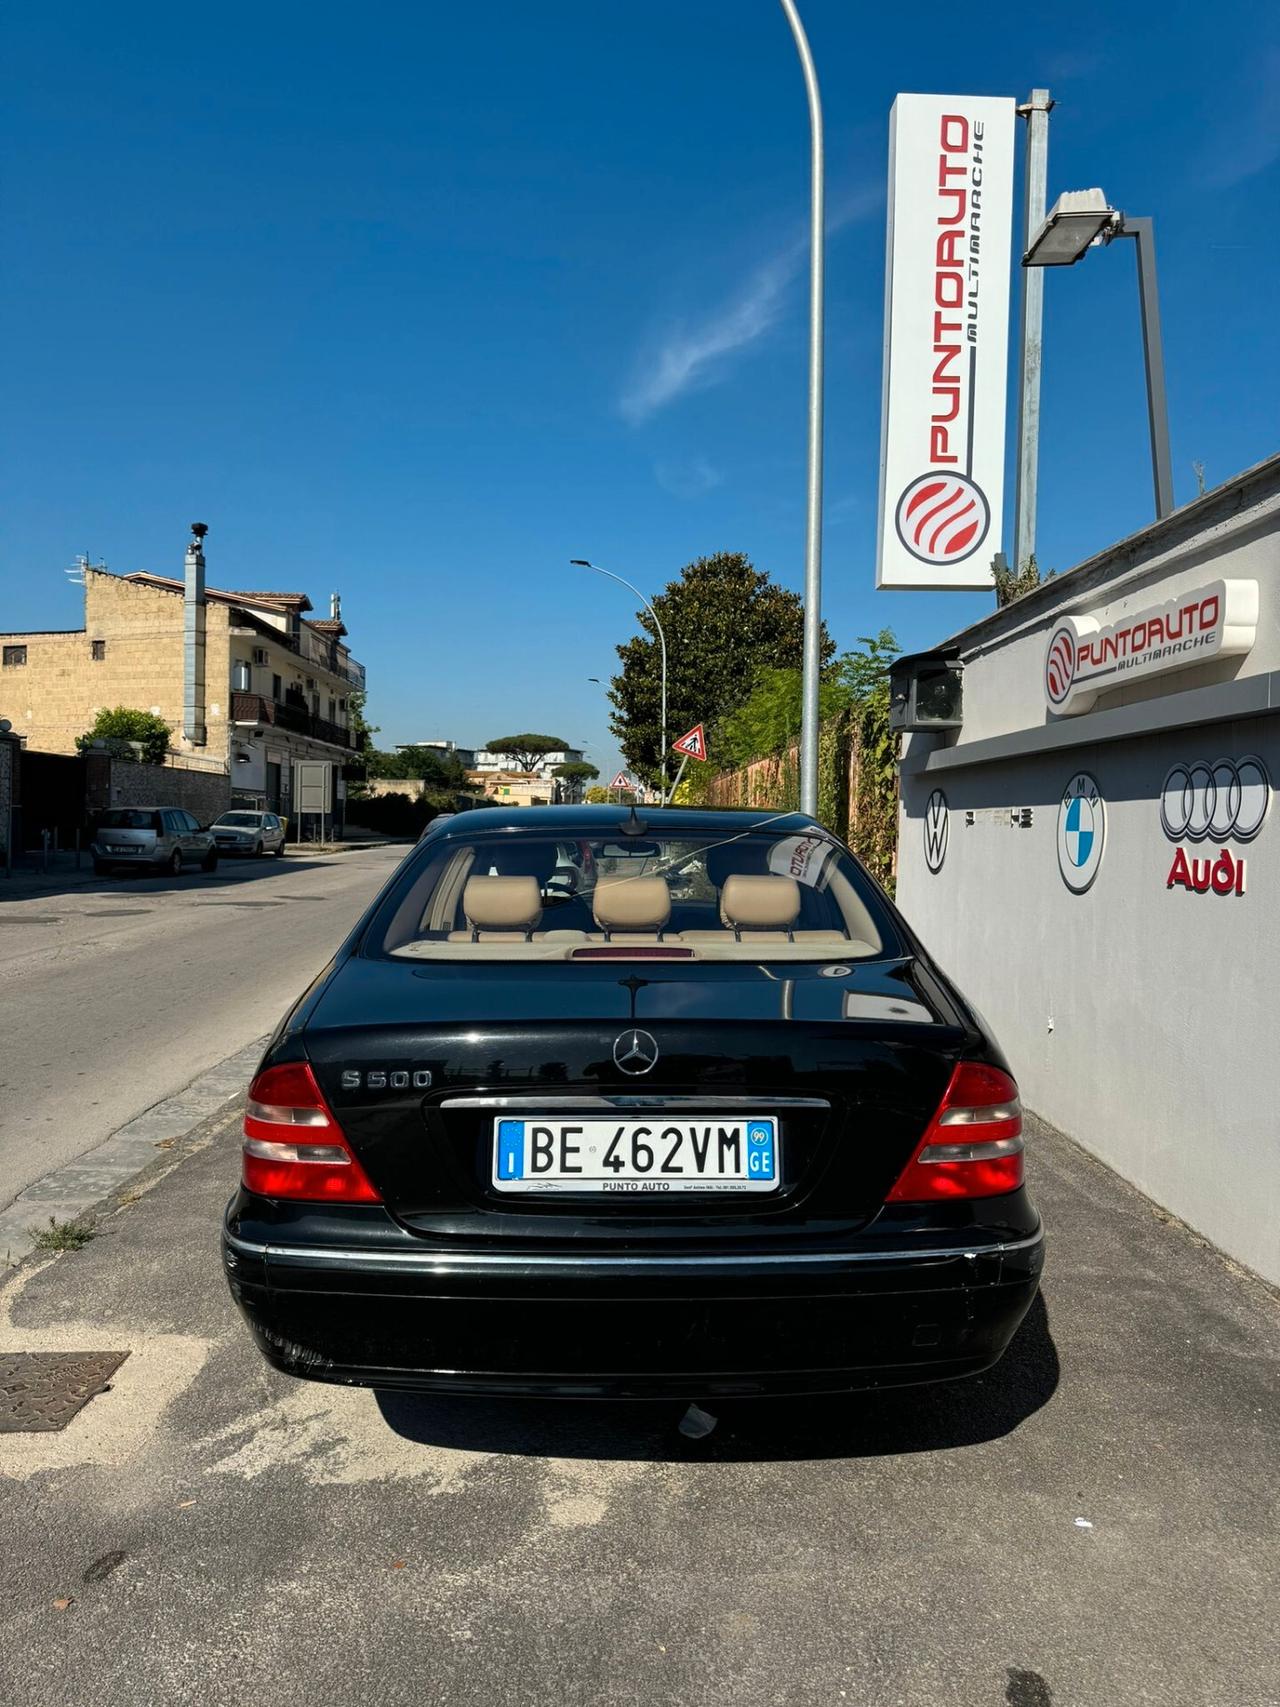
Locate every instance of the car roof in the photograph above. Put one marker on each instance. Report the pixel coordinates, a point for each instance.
(565, 821)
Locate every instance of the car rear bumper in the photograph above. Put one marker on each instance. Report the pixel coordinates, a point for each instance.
(633, 1327)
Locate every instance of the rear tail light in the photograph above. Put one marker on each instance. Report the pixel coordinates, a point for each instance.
(973, 1144)
(293, 1146)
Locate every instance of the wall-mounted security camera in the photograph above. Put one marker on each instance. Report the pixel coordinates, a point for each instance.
(926, 692)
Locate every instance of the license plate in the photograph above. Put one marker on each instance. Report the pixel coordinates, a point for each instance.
(636, 1157)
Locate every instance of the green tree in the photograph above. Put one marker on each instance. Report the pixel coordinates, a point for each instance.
(121, 725)
(577, 771)
(363, 731)
(526, 749)
(724, 620)
(423, 764)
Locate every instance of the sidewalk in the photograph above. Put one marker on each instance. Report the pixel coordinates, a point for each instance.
(1089, 1525)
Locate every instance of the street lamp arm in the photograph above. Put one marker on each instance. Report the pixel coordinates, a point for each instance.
(584, 563)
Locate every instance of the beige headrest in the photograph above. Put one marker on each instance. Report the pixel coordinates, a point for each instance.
(502, 903)
(760, 903)
(625, 903)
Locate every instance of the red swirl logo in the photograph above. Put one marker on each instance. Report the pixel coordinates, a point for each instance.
(942, 518)
(1060, 665)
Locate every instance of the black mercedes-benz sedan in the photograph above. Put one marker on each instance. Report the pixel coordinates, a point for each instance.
(607, 1102)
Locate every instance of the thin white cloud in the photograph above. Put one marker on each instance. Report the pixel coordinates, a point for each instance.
(687, 477)
(691, 356)
(1250, 142)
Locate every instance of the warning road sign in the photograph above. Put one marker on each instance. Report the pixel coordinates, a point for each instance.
(622, 780)
(693, 745)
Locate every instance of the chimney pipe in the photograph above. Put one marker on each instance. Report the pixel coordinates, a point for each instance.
(335, 607)
(193, 628)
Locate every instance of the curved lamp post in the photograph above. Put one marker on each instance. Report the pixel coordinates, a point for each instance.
(582, 563)
(813, 524)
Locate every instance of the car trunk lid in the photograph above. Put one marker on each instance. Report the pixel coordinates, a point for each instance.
(851, 1066)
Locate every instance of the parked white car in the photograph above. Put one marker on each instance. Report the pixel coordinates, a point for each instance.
(249, 833)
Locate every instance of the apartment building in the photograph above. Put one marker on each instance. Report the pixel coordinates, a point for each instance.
(248, 681)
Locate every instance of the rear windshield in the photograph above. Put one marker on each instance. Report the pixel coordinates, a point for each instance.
(518, 896)
(128, 818)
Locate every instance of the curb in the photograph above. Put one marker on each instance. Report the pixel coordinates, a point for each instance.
(73, 1190)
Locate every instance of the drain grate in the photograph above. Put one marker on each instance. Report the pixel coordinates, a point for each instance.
(41, 1391)
(117, 913)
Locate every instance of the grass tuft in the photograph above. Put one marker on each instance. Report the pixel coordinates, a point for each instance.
(62, 1235)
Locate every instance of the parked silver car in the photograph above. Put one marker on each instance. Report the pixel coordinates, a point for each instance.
(160, 838)
(238, 832)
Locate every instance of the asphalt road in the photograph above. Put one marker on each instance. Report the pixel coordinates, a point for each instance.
(1092, 1524)
(116, 993)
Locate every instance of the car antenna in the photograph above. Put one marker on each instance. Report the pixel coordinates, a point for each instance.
(635, 824)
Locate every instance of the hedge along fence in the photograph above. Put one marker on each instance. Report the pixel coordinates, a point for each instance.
(857, 787)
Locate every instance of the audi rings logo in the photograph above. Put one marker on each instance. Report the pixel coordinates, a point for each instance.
(1060, 665)
(942, 517)
(1214, 802)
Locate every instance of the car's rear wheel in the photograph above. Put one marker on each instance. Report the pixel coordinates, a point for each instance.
(101, 868)
(210, 860)
(257, 850)
(280, 849)
(175, 863)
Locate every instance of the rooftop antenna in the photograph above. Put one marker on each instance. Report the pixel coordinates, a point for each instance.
(81, 567)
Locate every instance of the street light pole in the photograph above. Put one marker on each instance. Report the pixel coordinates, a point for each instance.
(582, 563)
(1143, 232)
(1036, 177)
(813, 522)
(1076, 222)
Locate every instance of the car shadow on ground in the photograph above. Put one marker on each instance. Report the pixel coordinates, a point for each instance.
(125, 884)
(860, 1425)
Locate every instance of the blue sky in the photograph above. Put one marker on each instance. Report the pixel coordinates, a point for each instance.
(422, 301)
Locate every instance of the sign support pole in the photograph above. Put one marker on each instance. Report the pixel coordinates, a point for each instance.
(684, 760)
(1036, 113)
(813, 524)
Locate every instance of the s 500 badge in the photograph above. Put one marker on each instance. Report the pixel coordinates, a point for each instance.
(387, 1079)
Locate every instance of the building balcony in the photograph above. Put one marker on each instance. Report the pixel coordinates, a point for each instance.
(254, 708)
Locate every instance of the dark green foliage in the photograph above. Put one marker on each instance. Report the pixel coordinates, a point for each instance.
(527, 749)
(122, 725)
(724, 621)
(420, 764)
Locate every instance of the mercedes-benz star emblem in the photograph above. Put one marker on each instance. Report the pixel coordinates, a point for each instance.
(635, 1052)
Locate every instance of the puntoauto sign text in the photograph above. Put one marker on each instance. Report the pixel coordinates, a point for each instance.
(1087, 655)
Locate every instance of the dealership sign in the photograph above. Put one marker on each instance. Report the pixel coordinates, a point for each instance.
(1226, 800)
(1086, 656)
(945, 339)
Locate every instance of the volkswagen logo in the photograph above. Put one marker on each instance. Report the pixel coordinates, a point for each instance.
(942, 518)
(634, 1052)
(935, 831)
(1215, 801)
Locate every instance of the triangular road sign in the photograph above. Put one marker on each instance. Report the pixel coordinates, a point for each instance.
(693, 745)
(622, 780)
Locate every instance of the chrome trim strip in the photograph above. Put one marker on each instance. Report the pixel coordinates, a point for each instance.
(763, 1103)
(443, 1262)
